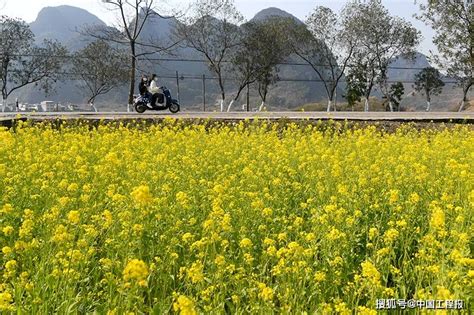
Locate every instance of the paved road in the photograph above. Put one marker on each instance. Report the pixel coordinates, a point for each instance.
(361, 116)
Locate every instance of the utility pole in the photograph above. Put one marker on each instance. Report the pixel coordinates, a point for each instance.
(177, 83)
(204, 92)
(248, 97)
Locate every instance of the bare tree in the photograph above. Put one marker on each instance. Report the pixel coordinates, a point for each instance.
(212, 31)
(453, 22)
(382, 37)
(22, 62)
(132, 17)
(101, 69)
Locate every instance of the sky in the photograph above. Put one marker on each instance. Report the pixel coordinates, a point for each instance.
(29, 9)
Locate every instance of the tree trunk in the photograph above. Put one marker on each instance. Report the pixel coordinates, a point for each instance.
(221, 86)
(91, 103)
(132, 77)
(464, 99)
(329, 105)
(237, 96)
(390, 105)
(366, 105)
(4, 103)
(461, 108)
(91, 100)
(263, 91)
(428, 100)
(332, 95)
(230, 105)
(248, 99)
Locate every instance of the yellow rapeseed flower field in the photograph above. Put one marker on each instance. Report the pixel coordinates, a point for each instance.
(245, 218)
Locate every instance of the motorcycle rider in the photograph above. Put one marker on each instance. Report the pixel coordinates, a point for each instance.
(143, 86)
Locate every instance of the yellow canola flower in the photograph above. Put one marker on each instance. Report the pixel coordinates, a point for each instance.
(319, 276)
(401, 223)
(414, 198)
(8, 230)
(362, 310)
(26, 228)
(219, 260)
(108, 218)
(195, 272)
(7, 208)
(142, 195)
(370, 273)
(245, 243)
(136, 270)
(265, 293)
(390, 235)
(437, 218)
(184, 306)
(394, 196)
(74, 217)
(335, 234)
(7, 250)
(6, 300)
(267, 212)
(182, 198)
(373, 232)
(11, 265)
(187, 237)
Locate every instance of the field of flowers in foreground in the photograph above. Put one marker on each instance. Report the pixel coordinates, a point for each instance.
(232, 219)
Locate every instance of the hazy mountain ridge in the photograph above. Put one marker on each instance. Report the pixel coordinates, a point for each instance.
(273, 12)
(62, 23)
(399, 67)
(449, 98)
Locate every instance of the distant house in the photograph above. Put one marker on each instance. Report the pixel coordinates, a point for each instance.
(32, 107)
(48, 106)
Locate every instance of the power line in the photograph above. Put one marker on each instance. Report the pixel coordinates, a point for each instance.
(199, 77)
(203, 61)
(281, 63)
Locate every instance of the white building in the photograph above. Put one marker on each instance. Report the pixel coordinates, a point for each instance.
(48, 106)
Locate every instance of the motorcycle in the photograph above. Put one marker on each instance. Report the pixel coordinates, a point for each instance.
(164, 101)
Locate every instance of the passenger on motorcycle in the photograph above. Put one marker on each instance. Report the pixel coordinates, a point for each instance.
(154, 90)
